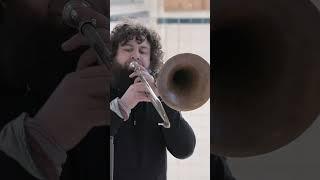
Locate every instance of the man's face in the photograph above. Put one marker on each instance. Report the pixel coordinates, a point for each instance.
(133, 50)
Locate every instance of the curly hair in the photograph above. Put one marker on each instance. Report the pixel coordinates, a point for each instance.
(126, 31)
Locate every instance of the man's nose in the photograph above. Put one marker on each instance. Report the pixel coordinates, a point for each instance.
(136, 55)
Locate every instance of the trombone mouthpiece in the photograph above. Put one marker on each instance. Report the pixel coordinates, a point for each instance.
(133, 65)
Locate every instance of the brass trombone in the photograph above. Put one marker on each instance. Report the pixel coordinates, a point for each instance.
(183, 84)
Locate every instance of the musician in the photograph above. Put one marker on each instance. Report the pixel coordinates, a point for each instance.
(139, 142)
(53, 113)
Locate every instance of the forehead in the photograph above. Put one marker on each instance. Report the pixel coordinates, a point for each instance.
(135, 42)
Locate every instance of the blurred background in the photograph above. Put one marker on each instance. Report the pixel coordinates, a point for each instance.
(184, 26)
(299, 160)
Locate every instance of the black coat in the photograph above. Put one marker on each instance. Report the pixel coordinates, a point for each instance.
(219, 168)
(140, 143)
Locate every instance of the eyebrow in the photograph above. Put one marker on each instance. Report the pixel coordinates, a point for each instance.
(127, 44)
(142, 47)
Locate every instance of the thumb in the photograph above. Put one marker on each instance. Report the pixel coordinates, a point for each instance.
(74, 42)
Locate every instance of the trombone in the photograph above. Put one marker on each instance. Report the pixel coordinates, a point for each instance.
(183, 84)
(154, 99)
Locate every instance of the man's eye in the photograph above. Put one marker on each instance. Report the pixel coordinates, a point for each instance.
(143, 52)
(128, 49)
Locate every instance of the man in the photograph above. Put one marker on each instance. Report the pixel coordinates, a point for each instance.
(139, 142)
(53, 99)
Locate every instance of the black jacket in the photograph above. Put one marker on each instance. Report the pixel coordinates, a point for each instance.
(219, 168)
(140, 143)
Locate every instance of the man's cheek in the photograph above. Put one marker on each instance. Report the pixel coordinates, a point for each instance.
(146, 63)
(120, 61)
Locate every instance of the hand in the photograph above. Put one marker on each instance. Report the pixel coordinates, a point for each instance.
(88, 58)
(142, 70)
(135, 93)
(79, 103)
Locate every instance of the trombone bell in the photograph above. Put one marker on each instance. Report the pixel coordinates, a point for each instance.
(184, 82)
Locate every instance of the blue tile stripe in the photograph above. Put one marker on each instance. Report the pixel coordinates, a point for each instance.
(145, 14)
(183, 20)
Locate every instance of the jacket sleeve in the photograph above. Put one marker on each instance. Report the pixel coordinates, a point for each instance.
(14, 144)
(219, 168)
(19, 146)
(180, 139)
(10, 169)
(116, 122)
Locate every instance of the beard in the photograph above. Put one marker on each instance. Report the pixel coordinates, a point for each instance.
(120, 78)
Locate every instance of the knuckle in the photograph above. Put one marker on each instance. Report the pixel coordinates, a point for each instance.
(70, 77)
(69, 81)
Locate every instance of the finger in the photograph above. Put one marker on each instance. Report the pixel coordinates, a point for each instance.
(144, 100)
(139, 87)
(150, 80)
(145, 90)
(94, 71)
(87, 59)
(147, 75)
(74, 42)
(134, 74)
(79, 40)
(144, 73)
(142, 97)
(137, 80)
(96, 89)
(141, 68)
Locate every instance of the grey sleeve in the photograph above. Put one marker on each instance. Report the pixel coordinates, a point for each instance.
(116, 117)
(114, 106)
(14, 144)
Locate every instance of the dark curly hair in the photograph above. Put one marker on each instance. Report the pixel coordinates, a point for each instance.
(126, 31)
